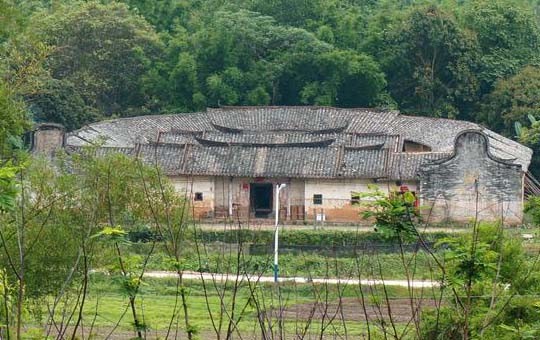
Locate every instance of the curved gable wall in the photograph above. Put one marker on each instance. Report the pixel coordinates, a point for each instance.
(472, 181)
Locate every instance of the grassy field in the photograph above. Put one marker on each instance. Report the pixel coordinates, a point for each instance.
(107, 306)
(304, 308)
(302, 253)
(306, 265)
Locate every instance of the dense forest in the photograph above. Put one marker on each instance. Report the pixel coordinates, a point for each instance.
(75, 62)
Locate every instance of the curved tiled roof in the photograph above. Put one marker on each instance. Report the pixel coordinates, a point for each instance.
(290, 141)
(267, 138)
(126, 132)
(303, 118)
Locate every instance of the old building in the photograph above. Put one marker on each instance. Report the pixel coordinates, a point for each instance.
(229, 160)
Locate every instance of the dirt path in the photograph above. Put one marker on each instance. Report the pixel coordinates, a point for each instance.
(188, 275)
(350, 309)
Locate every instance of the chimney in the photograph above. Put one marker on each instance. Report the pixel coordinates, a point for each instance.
(47, 138)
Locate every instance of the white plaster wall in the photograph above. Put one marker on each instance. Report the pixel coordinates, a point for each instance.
(190, 185)
(336, 195)
(467, 208)
(296, 191)
(240, 192)
(337, 192)
(221, 192)
(299, 193)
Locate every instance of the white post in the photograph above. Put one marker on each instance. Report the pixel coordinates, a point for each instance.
(276, 235)
(230, 197)
(289, 203)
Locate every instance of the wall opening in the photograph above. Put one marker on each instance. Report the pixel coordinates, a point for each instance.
(261, 199)
(410, 146)
(355, 198)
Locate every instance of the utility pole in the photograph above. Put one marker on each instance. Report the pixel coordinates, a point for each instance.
(276, 234)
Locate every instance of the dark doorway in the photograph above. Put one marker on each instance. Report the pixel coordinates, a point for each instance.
(261, 195)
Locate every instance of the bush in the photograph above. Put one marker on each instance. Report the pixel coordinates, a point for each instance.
(532, 208)
(446, 325)
(143, 234)
(326, 239)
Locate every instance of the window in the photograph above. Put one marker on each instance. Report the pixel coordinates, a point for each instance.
(317, 199)
(355, 198)
(198, 196)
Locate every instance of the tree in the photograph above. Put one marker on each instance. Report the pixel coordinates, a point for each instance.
(513, 100)
(347, 79)
(46, 241)
(99, 55)
(184, 81)
(532, 208)
(60, 101)
(429, 63)
(508, 37)
(296, 13)
(483, 272)
(529, 134)
(13, 120)
(489, 270)
(233, 58)
(11, 20)
(161, 14)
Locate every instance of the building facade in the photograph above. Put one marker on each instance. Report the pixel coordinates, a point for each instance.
(228, 161)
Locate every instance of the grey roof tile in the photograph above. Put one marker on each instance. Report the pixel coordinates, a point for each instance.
(262, 161)
(126, 132)
(281, 118)
(362, 163)
(372, 140)
(405, 166)
(169, 157)
(289, 141)
(267, 138)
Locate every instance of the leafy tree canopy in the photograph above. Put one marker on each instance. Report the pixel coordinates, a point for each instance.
(98, 56)
(508, 36)
(245, 58)
(13, 123)
(429, 61)
(513, 100)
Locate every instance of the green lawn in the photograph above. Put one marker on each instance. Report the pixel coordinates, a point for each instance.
(106, 303)
(107, 309)
(159, 305)
(306, 264)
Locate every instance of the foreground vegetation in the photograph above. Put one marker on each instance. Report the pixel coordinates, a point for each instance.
(157, 297)
(77, 239)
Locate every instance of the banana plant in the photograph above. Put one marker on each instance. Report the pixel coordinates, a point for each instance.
(521, 131)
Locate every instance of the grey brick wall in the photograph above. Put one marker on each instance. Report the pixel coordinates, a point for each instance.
(449, 186)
